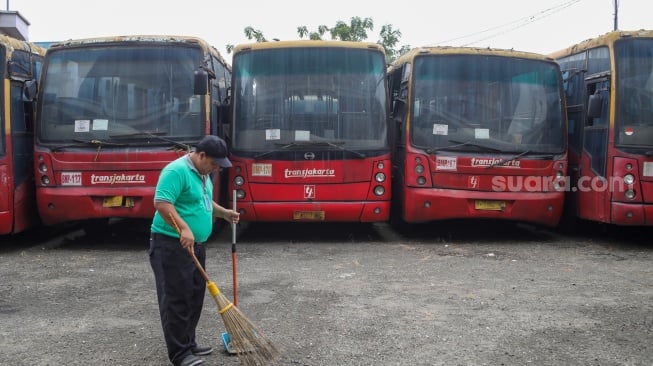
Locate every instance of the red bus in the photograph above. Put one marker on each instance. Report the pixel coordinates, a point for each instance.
(609, 86)
(20, 71)
(112, 112)
(309, 137)
(480, 134)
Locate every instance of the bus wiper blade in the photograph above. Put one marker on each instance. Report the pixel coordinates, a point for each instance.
(302, 144)
(506, 161)
(334, 144)
(154, 135)
(457, 143)
(78, 142)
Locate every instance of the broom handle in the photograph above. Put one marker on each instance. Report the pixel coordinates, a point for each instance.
(191, 252)
(233, 254)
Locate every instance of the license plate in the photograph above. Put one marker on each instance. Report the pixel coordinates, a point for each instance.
(308, 215)
(490, 205)
(118, 201)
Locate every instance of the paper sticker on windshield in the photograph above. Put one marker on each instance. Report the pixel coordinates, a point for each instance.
(100, 124)
(445, 163)
(82, 125)
(273, 134)
(440, 129)
(301, 135)
(481, 133)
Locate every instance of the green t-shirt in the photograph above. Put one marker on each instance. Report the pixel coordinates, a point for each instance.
(191, 193)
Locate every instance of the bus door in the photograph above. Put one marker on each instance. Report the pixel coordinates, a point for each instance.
(592, 174)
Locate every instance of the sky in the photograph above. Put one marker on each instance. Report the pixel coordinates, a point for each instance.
(535, 26)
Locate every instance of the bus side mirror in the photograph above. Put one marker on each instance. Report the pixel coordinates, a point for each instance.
(201, 82)
(594, 106)
(29, 91)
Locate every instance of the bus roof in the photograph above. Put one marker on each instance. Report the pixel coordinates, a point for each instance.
(605, 39)
(307, 43)
(81, 42)
(449, 50)
(16, 44)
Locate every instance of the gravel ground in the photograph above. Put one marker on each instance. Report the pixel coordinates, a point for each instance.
(450, 294)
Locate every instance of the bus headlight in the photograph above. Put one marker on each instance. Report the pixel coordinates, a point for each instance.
(239, 181)
(379, 177)
(379, 190)
(629, 179)
(380, 165)
(240, 194)
(421, 180)
(419, 169)
(630, 194)
(45, 180)
(43, 168)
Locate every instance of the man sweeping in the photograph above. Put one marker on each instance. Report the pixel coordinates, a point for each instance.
(184, 193)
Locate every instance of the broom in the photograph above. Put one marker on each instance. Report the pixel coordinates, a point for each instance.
(247, 341)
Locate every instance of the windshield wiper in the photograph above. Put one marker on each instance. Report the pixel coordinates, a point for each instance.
(93, 142)
(337, 145)
(154, 135)
(457, 143)
(301, 144)
(505, 161)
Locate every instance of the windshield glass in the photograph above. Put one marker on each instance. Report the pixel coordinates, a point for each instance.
(309, 94)
(634, 120)
(101, 92)
(508, 104)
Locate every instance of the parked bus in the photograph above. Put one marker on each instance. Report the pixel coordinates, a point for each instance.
(309, 136)
(112, 112)
(609, 86)
(480, 134)
(21, 64)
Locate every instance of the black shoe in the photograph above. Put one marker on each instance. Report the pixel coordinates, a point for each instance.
(190, 360)
(201, 351)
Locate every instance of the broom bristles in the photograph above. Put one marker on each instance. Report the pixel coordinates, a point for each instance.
(249, 343)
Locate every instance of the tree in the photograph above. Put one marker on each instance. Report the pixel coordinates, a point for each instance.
(355, 31)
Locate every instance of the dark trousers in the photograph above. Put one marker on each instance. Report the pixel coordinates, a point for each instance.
(180, 290)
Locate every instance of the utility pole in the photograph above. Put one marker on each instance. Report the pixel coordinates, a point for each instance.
(616, 10)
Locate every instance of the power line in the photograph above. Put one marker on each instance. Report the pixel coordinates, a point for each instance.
(521, 22)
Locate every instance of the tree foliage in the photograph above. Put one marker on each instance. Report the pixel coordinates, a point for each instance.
(356, 31)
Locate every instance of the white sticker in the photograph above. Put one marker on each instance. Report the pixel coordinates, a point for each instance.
(273, 134)
(82, 125)
(100, 124)
(481, 133)
(445, 163)
(301, 135)
(648, 169)
(439, 129)
(71, 178)
(262, 170)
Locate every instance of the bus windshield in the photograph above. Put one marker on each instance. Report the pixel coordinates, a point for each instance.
(500, 103)
(309, 95)
(634, 69)
(126, 92)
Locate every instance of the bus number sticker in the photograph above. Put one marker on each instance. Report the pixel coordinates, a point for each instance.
(273, 134)
(440, 129)
(71, 179)
(262, 170)
(82, 125)
(445, 163)
(648, 169)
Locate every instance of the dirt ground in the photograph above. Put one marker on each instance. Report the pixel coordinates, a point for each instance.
(473, 294)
